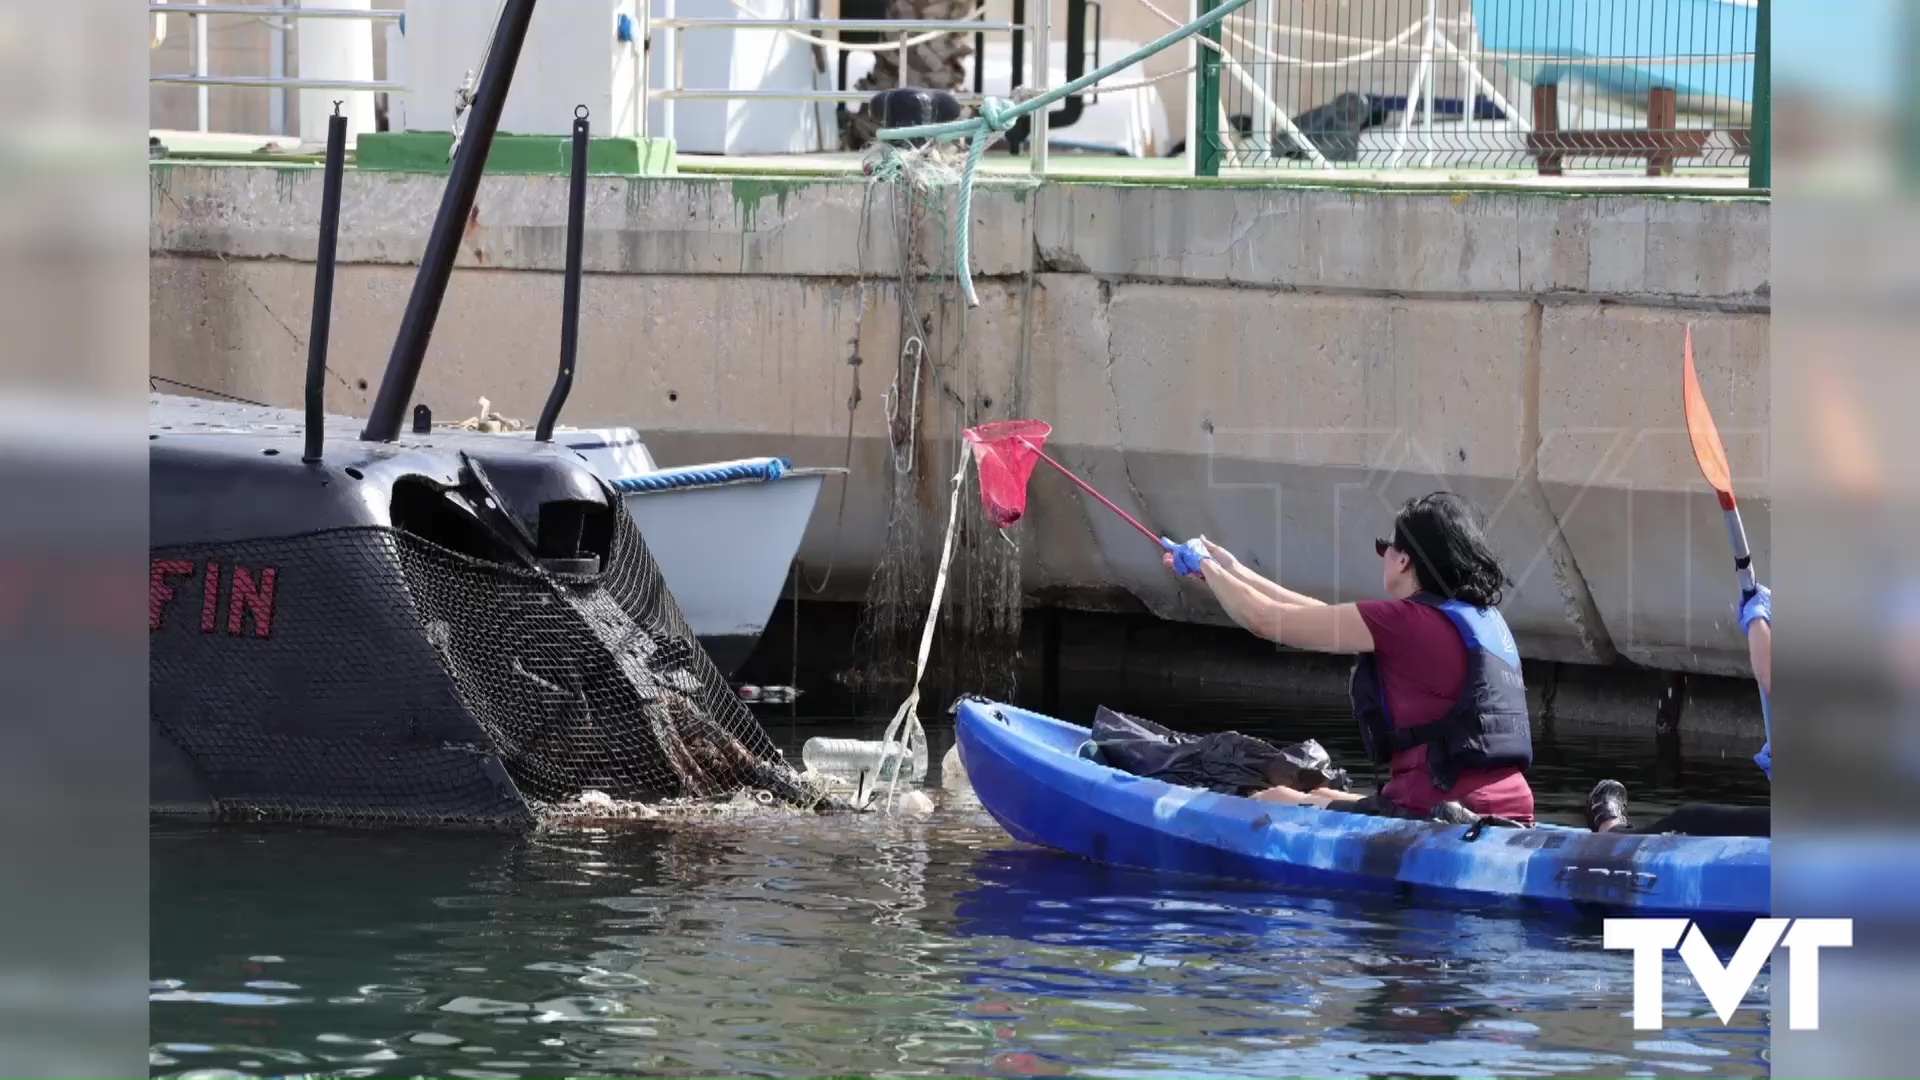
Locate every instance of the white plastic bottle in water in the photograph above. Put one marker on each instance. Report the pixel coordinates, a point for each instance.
(847, 758)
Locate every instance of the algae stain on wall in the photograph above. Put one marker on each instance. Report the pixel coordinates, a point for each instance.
(639, 196)
(748, 195)
(750, 192)
(287, 183)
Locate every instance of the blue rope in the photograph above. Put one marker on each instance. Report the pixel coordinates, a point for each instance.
(705, 475)
(996, 116)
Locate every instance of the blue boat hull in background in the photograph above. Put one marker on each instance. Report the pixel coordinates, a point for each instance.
(1026, 771)
(1558, 38)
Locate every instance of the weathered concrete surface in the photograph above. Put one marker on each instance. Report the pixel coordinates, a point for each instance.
(1469, 245)
(679, 226)
(1276, 368)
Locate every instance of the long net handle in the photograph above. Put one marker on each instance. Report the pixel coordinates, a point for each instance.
(1088, 488)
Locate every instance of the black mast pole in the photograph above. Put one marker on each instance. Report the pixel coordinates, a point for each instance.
(436, 265)
(570, 288)
(323, 284)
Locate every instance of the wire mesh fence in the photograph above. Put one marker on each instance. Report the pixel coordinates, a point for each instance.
(1536, 85)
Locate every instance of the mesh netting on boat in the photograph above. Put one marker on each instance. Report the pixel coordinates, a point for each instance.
(387, 676)
(593, 684)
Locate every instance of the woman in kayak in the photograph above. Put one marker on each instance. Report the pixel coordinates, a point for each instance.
(1607, 805)
(1436, 685)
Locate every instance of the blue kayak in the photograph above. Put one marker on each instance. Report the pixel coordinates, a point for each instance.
(1026, 769)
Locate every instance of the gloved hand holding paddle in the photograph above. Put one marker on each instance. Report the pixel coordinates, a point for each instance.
(1756, 606)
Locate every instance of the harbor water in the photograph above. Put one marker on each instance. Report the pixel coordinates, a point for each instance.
(854, 946)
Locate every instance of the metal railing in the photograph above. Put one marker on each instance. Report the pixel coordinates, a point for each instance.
(376, 14)
(673, 56)
(1541, 86)
(203, 79)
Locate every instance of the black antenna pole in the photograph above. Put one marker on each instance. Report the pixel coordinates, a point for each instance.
(436, 265)
(570, 290)
(323, 284)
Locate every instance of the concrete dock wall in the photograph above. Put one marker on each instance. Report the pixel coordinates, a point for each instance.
(1276, 368)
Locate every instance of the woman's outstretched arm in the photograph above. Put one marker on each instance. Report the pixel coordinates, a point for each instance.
(1316, 626)
(1273, 590)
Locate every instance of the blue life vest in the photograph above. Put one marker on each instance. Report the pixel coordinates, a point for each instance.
(1487, 728)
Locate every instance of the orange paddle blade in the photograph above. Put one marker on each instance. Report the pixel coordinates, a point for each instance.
(1707, 448)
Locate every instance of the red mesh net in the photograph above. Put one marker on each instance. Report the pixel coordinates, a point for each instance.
(1005, 454)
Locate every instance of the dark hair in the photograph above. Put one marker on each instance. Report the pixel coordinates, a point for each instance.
(1442, 536)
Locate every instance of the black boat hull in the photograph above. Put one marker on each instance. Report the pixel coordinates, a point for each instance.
(454, 629)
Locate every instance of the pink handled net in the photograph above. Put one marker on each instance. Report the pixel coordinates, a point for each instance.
(1005, 453)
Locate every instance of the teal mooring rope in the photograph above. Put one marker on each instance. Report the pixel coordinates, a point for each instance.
(996, 116)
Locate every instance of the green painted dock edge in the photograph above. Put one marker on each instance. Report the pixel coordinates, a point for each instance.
(787, 180)
(753, 183)
(515, 155)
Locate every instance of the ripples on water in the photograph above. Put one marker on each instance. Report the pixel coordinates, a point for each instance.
(835, 946)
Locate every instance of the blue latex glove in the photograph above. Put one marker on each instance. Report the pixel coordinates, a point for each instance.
(1187, 557)
(1758, 606)
(1764, 759)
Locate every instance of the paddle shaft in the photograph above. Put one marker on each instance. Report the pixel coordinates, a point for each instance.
(1088, 488)
(1742, 558)
(1711, 455)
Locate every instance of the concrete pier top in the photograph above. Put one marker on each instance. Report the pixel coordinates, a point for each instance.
(1278, 368)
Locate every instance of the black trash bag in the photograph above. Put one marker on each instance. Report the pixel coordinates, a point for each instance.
(1227, 762)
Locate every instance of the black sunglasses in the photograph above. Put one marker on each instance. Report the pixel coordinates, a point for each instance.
(1380, 547)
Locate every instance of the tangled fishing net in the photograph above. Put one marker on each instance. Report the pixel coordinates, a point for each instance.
(927, 170)
(974, 575)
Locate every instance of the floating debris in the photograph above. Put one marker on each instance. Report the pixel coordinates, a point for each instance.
(953, 771)
(848, 758)
(597, 807)
(803, 796)
(768, 695)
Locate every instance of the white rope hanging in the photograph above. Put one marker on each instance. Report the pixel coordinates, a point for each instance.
(914, 733)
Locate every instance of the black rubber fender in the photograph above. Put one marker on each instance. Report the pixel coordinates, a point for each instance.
(911, 106)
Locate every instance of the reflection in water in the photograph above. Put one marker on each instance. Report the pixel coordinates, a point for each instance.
(797, 946)
(790, 946)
